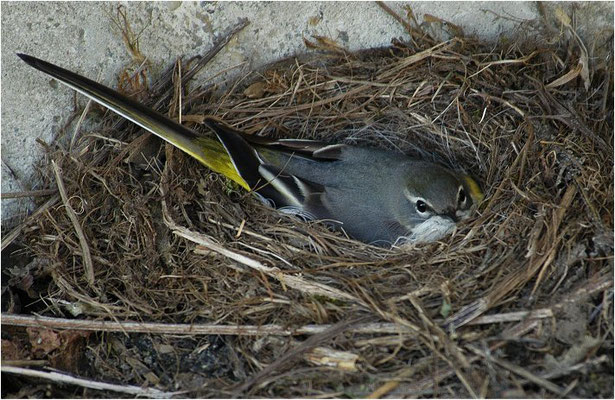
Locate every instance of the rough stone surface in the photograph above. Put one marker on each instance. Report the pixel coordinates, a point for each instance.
(80, 36)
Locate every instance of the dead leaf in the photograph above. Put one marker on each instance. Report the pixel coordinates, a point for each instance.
(69, 345)
(11, 350)
(255, 90)
(71, 351)
(570, 75)
(43, 341)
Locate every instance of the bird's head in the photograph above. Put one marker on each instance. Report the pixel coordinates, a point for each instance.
(435, 199)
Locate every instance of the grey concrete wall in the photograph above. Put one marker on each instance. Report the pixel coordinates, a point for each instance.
(81, 37)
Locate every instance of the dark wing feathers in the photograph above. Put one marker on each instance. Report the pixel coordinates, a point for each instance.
(285, 190)
(330, 152)
(244, 157)
(309, 148)
(304, 147)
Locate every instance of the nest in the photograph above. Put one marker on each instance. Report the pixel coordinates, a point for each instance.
(230, 298)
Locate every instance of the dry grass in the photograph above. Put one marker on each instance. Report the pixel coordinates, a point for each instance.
(171, 242)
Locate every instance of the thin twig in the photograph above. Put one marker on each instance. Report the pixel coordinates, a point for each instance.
(574, 368)
(454, 356)
(417, 57)
(409, 28)
(295, 282)
(521, 275)
(71, 380)
(310, 343)
(25, 363)
(512, 316)
(217, 47)
(85, 249)
(84, 113)
(395, 16)
(594, 285)
(190, 329)
(519, 371)
(14, 234)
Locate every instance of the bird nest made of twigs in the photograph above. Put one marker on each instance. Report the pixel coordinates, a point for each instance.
(228, 297)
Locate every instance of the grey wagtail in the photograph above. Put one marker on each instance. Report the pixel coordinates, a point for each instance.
(375, 196)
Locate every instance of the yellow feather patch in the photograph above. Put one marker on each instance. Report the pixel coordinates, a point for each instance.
(475, 192)
(215, 157)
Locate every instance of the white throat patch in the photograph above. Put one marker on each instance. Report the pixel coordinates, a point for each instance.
(432, 229)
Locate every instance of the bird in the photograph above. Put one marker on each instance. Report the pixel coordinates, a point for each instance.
(374, 195)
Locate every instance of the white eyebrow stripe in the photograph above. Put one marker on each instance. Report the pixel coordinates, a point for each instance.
(414, 199)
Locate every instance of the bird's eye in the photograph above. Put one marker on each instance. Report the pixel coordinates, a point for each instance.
(461, 199)
(421, 206)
